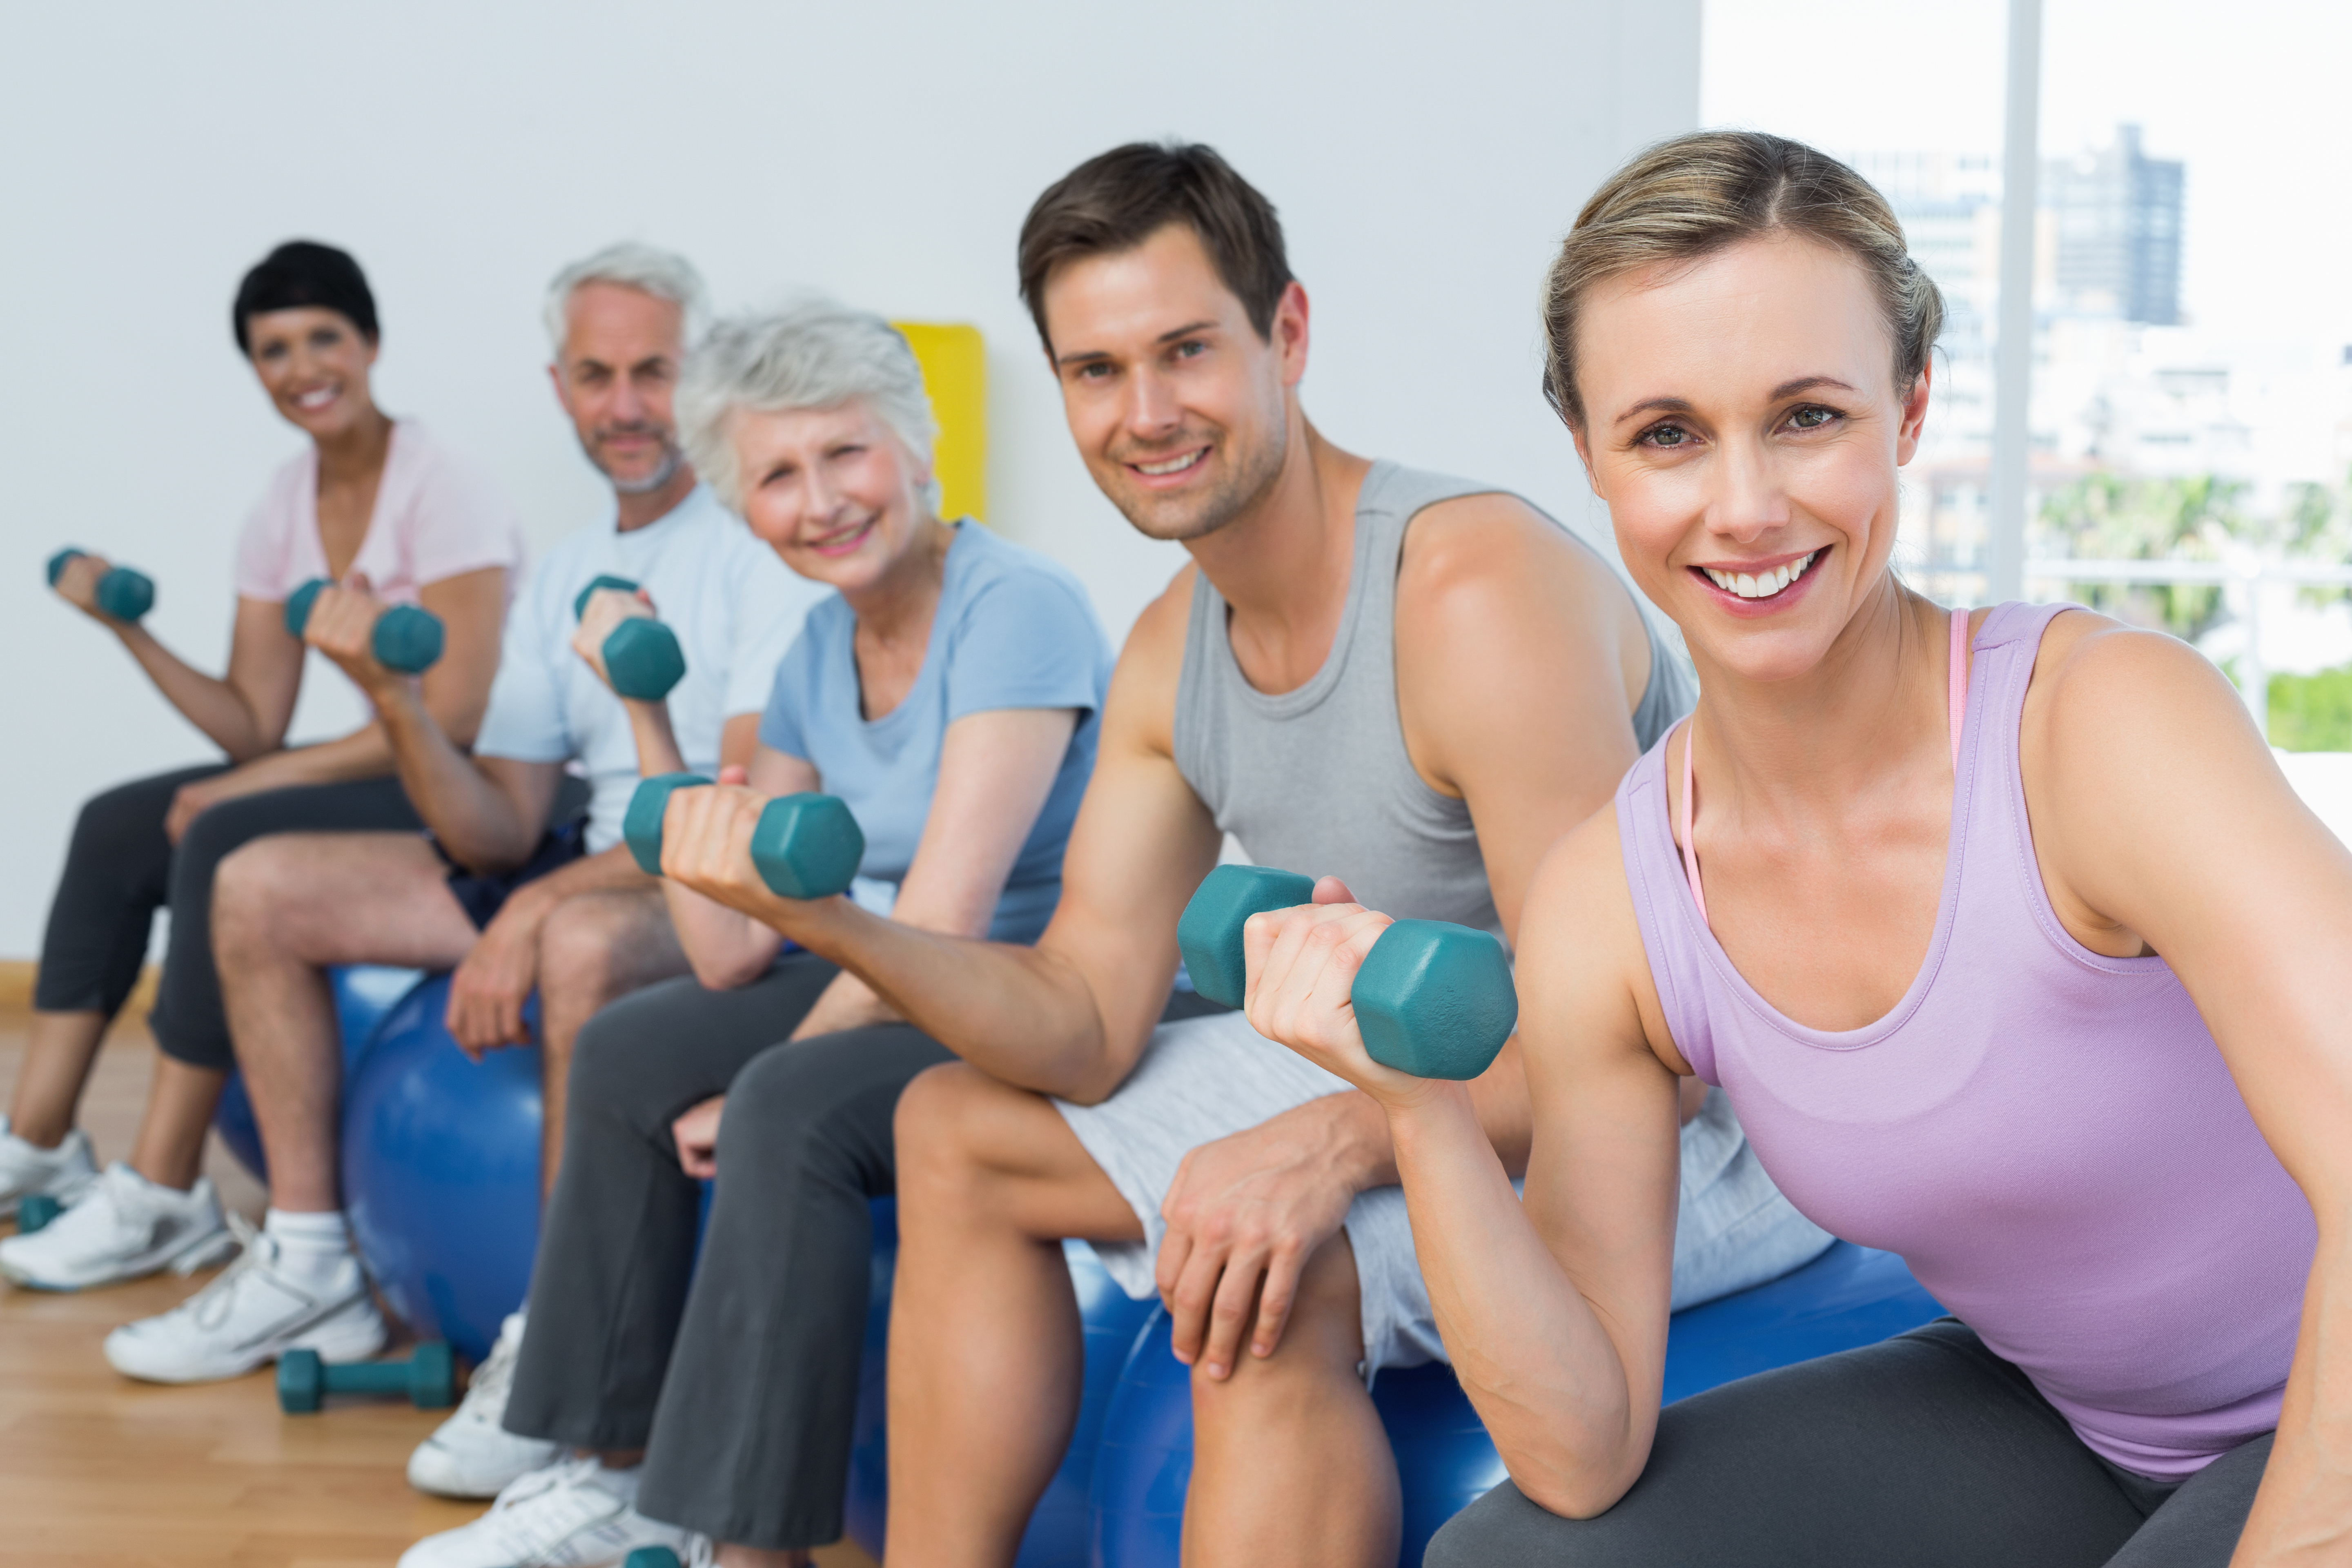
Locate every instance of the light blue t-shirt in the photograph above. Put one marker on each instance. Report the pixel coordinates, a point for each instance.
(1013, 630)
(735, 606)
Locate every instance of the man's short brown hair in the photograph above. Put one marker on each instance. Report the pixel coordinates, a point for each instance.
(1115, 201)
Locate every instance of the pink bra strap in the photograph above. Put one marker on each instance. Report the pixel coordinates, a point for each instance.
(1690, 845)
(1960, 706)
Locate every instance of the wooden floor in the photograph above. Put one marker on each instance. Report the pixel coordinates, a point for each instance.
(98, 1470)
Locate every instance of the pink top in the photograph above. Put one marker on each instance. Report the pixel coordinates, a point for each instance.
(436, 516)
(2049, 1137)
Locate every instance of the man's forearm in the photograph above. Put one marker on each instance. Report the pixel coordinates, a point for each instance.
(613, 870)
(1019, 1014)
(474, 820)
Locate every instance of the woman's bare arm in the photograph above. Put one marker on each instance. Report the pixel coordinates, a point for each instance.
(1553, 1312)
(996, 770)
(2162, 822)
(471, 607)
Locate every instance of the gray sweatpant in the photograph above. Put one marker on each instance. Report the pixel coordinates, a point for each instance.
(741, 1388)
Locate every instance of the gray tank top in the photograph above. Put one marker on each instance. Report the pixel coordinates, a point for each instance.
(1400, 846)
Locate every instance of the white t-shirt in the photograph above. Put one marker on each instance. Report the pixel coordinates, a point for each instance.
(735, 608)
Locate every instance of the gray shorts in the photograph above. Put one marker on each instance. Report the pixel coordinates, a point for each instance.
(1206, 1079)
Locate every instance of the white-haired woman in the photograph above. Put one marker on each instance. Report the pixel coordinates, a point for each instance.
(949, 695)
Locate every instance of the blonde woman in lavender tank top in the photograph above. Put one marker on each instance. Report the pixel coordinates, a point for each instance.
(2007, 941)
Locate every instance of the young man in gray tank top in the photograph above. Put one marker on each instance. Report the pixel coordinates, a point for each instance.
(1417, 683)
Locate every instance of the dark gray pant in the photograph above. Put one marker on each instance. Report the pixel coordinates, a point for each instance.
(742, 1388)
(120, 869)
(1927, 1451)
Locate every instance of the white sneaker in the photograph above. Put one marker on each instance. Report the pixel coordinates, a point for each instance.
(574, 1513)
(471, 1455)
(62, 1172)
(255, 1312)
(120, 1227)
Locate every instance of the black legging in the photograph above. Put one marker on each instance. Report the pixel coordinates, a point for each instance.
(120, 868)
(1926, 1451)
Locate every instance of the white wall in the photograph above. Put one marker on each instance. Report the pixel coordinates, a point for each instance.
(1425, 159)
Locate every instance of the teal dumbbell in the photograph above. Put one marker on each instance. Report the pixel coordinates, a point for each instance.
(641, 655)
(122, 593)
(428, 1376)
(651, 1557)
(1433, 999)
(34, 1210)
(804, 845)
(406, 638)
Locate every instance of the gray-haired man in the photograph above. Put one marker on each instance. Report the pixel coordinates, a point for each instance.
(505, 891)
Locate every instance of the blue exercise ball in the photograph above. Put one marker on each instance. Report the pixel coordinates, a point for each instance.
(363, 994)
(1058, 1530)
(441, 1172)
(1848, 1297)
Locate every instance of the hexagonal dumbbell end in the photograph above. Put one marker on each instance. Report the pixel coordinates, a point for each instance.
(641, 824)
(122, 593)
(297, 606)
(643, 659)
(126, 594)
(650, 1557)
(807, 846)
(580, 600)
(407, 639)
(1436, 999)
(433, 1376)
(1209, 933)
(301, 1382)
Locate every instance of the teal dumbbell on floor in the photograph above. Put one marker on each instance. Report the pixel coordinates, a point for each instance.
(1433, 999)
(641, 655)
(34, 1210)
(122, 593)
(805, 846)
(651, 1557)
(428, 1376)
(406, 638)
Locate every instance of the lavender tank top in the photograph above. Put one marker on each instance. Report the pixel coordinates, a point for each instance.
(2048, 1137)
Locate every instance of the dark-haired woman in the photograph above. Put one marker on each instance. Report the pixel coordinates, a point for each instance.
(2008, 943)
(371, 497)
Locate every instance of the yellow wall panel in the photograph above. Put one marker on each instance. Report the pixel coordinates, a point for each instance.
(955, 373)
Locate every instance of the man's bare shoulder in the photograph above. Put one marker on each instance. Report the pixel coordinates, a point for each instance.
(1140, 712)
(1495, 554)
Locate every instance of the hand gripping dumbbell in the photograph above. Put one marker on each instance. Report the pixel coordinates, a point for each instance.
(642, 657)
(428, 1376)
(406, 638)
(804, 845)
(1433, 999)
(122, 593)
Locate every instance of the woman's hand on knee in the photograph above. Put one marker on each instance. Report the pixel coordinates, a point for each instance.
(696, 1133)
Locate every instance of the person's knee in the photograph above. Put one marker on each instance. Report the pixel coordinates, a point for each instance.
(1322, 1342)
(586, 944)
(253, 891)
(937, 1131)
(1488, 1530)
